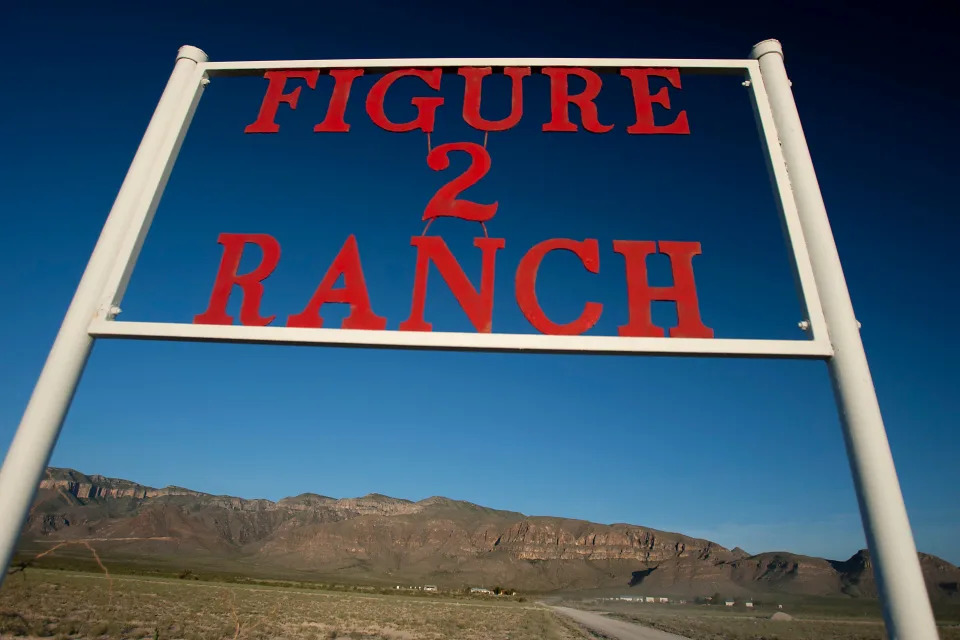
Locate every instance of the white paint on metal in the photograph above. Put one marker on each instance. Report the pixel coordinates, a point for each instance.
(385, 64)
(806, 284)
(906, 605)
(27, 457)
(449, 340)
(815, 348)
(815, 325)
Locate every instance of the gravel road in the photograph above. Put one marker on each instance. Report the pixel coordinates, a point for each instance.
(612, 628)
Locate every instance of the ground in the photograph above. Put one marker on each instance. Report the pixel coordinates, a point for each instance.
(68, 604)
(813, 619)
(613, 628)
(78, 605)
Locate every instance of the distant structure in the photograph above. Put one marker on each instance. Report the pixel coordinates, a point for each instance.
(650, 599)
(664, 600)
(481, 590)
(429, 587)
(729, 603)
(749, 604)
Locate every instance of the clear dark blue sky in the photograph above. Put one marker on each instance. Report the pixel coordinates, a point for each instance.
(743, 452)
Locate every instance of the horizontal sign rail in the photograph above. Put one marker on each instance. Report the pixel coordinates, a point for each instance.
(691, 64)
(453, 341)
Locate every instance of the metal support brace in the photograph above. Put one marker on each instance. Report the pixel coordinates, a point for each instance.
(33, 443)
(906, 605)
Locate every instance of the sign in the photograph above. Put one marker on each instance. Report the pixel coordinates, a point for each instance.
(284, 89)
(830, 324)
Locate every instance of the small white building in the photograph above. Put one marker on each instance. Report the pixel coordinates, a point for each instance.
(664, 600)
(481, 590)
(429, 587)
(729, 603)
(650, 599)
(749, 604)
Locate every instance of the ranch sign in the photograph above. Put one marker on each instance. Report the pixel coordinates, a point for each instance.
(831, 330)
(476, 302)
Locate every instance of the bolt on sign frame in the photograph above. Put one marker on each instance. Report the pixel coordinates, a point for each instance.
(831, 327)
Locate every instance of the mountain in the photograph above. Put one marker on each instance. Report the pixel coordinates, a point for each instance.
(382, 540)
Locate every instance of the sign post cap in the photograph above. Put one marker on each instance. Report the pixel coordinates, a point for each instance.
(191, 53)
(765, 47)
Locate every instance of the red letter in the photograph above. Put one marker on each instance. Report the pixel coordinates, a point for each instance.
(471, 97)
(275, 95)
(643, 101)
(233, 244)
(526, 286)
(426, 107)
(354, 293)
(478, 306)
(560, 98)
(640, 294)
(338, 100)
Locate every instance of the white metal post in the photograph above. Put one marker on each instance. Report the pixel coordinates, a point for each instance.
(33, 443)
(906, 605)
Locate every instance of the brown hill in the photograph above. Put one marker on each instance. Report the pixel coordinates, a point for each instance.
(379, 539)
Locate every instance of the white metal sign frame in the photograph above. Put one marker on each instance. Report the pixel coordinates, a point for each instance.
(817, 346)
(832, 329)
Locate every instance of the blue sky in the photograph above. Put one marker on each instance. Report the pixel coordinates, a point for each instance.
(744, 452)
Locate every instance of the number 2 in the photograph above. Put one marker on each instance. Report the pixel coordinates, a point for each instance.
(445, 202)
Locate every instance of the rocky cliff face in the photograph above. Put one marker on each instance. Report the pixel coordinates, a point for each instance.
(82, 486)
(443, 541)
(556, 539)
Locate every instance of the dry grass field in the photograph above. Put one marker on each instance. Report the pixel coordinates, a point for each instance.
(64, 604)
(80, 605)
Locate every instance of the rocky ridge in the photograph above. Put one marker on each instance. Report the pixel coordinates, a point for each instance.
(382, 539)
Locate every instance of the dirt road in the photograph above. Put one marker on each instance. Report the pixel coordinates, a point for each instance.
(617, 629)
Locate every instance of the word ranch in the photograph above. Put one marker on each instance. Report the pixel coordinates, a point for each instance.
(477, 303)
